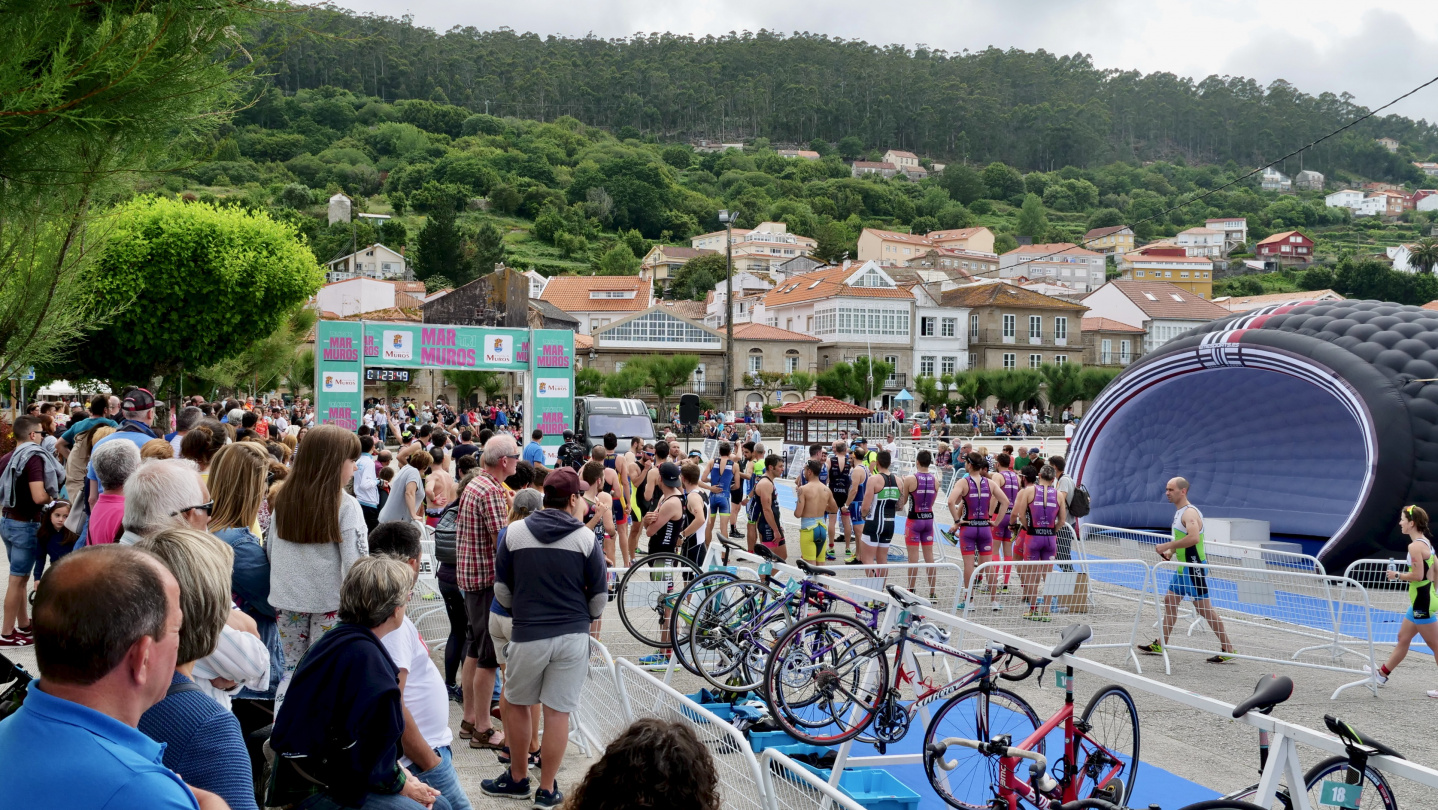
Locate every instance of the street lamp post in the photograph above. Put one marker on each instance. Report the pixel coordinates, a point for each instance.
(726, 218)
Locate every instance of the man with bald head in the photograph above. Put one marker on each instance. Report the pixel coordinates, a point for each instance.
(107, 629)
(1189, 581)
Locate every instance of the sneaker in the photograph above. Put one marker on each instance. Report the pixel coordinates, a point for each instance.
(505, 787)
(654, 660)
(25, 632)
(1382, 679)
(734, 533)
(16, 641)
(545, 799)
(535, 763)
(1154, 648)
(933, 594)
(830, 556)
(1221, 658)
(1433, 693)
(959, 607)
(1005, 589)
(950, 536)
(456, 693)
(996, 607)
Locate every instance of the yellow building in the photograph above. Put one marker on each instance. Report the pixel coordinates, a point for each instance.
(1115, 240)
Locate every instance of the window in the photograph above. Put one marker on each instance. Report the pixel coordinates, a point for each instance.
(612, 294)
(974, 327)
(1010, 326)
(1168, 274)
(972, 359)
(789, 324)
(893, 362)
(1123, 355)
(947, 365)
(948, 327)
(1036, 360)
(618, 366)
(791, 361)
(1036, 327)
(1060, 359)
(1009, 360)
(1105, 351)
(1183, 274)
(1138, 273)
(926, 365)
(1149, 296)
(1176, 297)
(1061, 328)
(659, 327)
(926, 326)
(756, 361)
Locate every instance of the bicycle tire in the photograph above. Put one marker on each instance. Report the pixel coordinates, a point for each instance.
(1338, 765)
(723, 633)
(1108, 731)
(1019, 722)
(853, 668)
(1221, 804)
(643, 591)
(681, 619)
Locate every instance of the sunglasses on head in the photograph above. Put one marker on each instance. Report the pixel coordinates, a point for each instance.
(206, 507)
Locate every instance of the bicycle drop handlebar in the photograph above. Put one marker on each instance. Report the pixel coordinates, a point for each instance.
(1031, 662)
(938, 749)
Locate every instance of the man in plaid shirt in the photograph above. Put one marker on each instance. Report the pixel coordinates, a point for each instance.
(483, 512)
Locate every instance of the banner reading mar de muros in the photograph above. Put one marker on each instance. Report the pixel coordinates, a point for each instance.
(344, 348)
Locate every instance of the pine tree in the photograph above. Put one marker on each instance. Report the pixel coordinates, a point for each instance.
(438, 247)
(488, 249)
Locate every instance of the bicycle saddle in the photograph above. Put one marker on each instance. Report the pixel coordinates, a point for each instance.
(814, 570)
(1350, 734)
(1270, 691)
(731, 545)
(907, 598)
(761, 550)
(1072, 637)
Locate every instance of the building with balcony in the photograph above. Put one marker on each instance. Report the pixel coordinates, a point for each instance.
(1235, 231)
(663, 261)
(1172, 264)
(895, 247)
(758, 250)
(1010, 327)
(1108, 342)
(1287, 247)
(1114, 240)
(374, 261)
(1056, 263)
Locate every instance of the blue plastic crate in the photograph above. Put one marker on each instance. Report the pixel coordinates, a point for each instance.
(723, 711)
(790, 747)
(759, 740)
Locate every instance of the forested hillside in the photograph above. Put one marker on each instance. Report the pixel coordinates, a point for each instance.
(1031, 110)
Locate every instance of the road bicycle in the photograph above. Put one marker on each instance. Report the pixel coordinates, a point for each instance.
(736, 626)
(647, 593)
(1100, 755)
(828, 681)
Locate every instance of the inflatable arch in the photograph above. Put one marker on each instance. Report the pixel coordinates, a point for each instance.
(1319, 417)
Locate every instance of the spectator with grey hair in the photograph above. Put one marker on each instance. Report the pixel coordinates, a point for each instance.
(107, 632)
(483, 512)
(202, 739)
(187, 418)
(161, 494)
(337, 737)
(114, 463)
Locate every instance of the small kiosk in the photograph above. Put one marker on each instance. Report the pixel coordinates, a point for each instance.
(818, 421)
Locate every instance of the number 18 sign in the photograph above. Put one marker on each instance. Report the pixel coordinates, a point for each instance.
(1340, 794)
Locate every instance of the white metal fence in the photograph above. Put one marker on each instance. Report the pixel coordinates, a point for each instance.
(791, 786)
(601, 716)
(1388, 599)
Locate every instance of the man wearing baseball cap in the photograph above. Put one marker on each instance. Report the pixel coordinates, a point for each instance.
(550, 574)
(137, 412)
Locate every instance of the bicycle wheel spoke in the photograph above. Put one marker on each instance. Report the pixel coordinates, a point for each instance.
(971, 715)
(1109, 751)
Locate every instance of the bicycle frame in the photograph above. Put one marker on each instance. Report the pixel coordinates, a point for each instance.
(1012, 789)
(903, 675)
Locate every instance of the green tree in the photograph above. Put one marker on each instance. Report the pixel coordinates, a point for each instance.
(588, 382)
(439, 249)
(1105, 218)
(488, 249)
(1093, 380)
(1016, 387)
(1002, 181)
(764, 382)
(697, 277)
(801, 382)
(837, 381)
(91, 97)
(466, 382)
(1424, 255)
(623, 383)
(301, 375)
(850, 147)
(1033, 219)
(270, 360)
(962, 182)
(869, 378)
(193, 285)
(931, 392)
(619, 261)
(1062, 384)
(833, 242)
(667, 373)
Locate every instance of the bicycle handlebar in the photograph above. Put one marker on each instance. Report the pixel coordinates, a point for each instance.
(938, 749)
(1031, 663)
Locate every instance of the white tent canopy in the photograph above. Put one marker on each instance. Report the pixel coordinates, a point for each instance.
(63, 388)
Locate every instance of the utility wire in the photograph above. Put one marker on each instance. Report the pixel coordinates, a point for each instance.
(1240, 179)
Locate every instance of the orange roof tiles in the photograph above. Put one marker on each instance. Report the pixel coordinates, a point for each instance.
(820, 284)
(571, 293)
(1099, 233)
(1169, 301)
(1108, 325)
(763, 331)
(1281, 237)
(823, 406)
(957, 233)
(990, 294)
(1065, 248)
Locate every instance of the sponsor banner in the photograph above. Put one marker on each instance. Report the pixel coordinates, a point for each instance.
(397, 345)
(548, 387)
(340, 382)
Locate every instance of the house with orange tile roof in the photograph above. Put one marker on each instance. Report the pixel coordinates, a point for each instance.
(1114, 240)
(1163, 311)
(1107, 342)
(1173, 264)
(1010, 327)
(663, 261)
(599, 300)
(895, 247)
(901, 160)
(758, 250)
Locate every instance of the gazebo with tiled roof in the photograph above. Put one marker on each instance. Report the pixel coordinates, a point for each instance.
(820, 419)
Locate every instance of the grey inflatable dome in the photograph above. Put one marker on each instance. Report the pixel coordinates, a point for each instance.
(1319, 417)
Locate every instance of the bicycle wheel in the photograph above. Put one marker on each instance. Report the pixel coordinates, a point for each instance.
(1335, 769)
(1221, 804)
(1107, 759)
(826, 679)
(735, 625)
(976, 714)
(647, 592)
(682, 618)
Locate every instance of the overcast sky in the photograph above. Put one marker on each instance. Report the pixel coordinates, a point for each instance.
(1376, 51)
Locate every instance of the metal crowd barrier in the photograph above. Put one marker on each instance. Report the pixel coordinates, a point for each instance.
(1388, 600)
(791, 786)
(1286, 617)
(740, 781)
(1111, 542)
(601, 716)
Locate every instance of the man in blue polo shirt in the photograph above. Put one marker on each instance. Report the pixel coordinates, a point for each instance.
(533, 452)
(107, 628)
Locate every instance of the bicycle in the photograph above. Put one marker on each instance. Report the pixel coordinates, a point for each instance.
(647, 592)
(1273, 690)
(687, 601)
(735, 627)
(828, 681)
(1100, 757)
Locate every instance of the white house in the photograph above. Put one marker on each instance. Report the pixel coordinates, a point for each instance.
(1347, 198)
(1235, 230)
(375, 261)
(941, 339)
(1056, 263)
(536, 283)
(357, 296)
(747, 290)
(1428, 202)
(902, 160)
(1402, 258)
(1205, 242)
(1164, 311)
(1274, 180)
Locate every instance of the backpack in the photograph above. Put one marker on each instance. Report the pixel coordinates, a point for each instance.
(1079, 501)
(445, 535)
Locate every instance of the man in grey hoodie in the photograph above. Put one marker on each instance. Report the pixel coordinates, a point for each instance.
(550, 574)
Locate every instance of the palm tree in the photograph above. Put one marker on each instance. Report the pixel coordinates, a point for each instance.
(1424, 255)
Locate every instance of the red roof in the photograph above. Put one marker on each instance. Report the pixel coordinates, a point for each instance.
(1107, 325)
(823, 406)
(572, 293)
(1062, 248)
(763, 331)
(1283, 237)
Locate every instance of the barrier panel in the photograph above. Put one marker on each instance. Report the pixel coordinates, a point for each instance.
(1281, 617)
(1111, 542)
(601, 716)
(426, 604)
(740, 781)
(1104, 594)
(1387, 600)
(791, 786)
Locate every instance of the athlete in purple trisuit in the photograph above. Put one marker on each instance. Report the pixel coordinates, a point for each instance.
(1005, 530)
(1040, 511)
(920, 491)
(981, 498)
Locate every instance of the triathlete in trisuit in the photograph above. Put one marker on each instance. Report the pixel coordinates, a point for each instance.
(696, 513)
(664, 525)
(764, 510)
(1005, 529)
(611, 485)
(920, 491)
(815, 503)
(858, 480)
(616, 483)
(840, 478)
(599, 517)
(980, 500)
(816, 453)
(647, 489)
(1038, 512)
(751, 480)
(719, 472)
(740, 489)
(639, 472)
(1191, 580)
(881, 506)
(1422, 616)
